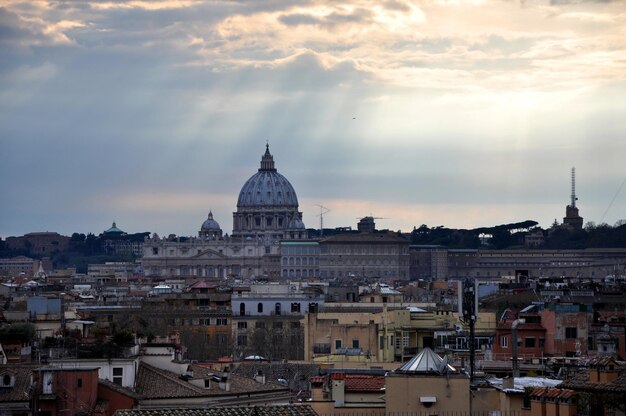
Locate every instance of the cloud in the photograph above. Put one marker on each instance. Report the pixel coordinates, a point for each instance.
(14, 32)
(568, 2)
(296, 19)
(437, 107)
(32, 29)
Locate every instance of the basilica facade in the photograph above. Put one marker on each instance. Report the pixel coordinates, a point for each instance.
(267, 213)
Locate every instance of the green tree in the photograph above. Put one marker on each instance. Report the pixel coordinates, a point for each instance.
(23, 332)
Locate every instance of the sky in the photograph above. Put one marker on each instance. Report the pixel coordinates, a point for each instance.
(437, 112)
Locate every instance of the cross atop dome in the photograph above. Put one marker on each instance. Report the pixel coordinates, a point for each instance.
(267, 161)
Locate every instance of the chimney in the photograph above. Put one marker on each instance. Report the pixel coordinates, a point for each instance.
(508, 383)
(338, 389)
(259, 377)
(224, 383)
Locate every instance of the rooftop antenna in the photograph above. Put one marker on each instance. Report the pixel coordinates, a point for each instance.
(574, 199)
(323, 210)
(613, 200)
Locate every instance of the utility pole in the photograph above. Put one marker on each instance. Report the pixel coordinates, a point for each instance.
(468, 313)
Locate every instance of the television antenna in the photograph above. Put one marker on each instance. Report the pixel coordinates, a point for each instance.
(574, 199)
(612, 200)
(323, 210)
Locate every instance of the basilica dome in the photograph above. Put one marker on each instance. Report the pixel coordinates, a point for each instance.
(267, 187)
(210, 228)
(210, 224)
(267, 207)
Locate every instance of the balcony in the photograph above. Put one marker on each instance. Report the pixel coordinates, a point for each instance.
(409, 351)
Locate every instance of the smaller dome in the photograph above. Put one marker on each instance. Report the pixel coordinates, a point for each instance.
(113, 230)
(297, 223)
(210, 224)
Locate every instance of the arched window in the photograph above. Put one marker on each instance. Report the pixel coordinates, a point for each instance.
(242, 309)
(259, 308)
(6, 380)
(277, 308)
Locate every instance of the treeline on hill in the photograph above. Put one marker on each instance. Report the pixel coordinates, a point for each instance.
(512, 236)
(82, 250)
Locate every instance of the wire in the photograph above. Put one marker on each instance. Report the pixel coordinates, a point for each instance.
(612, 200)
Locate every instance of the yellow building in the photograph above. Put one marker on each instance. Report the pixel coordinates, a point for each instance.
(393, 333)
(405, 332)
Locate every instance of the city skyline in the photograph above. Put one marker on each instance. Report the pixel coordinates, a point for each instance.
(456, 113)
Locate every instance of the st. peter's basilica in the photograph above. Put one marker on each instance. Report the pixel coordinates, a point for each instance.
(267, 213)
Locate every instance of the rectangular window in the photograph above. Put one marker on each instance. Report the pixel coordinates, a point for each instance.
(571, 332)
(504, 342)
(79, 383)
(242, 325)
(242, 340)
(355, 343)
(118, 375)
(337, 344)
(221, 321)
(529, 342)
(259, 325)
(47, 383)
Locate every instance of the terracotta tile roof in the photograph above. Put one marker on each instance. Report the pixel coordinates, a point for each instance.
(553, 393)
(357, 382)
(119, 389)
(21, 384)
(297, 374)
(201, 284)
(152, 383)
(287, 410)
(605, 362)
(580, 382)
